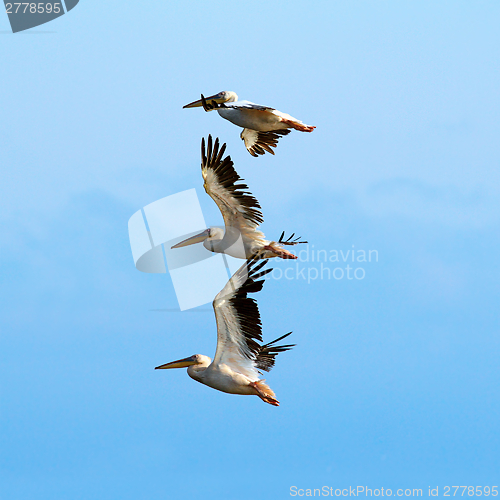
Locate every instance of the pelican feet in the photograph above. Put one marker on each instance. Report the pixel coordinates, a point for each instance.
(298, 126)
(267, 398)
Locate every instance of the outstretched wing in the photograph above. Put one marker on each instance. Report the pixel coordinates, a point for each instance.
(258, 143)
(239, 327)
(209, 105)
(248, 105)
(238, 207)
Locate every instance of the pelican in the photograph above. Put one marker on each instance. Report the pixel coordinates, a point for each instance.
(262, 126)
(241, 212)
(240, 354)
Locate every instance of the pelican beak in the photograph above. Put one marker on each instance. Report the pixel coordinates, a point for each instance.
(194, 239)
(196, 104)
(181, 363)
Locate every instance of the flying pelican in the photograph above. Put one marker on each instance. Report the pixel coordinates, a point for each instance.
(262, 126)
(240, 354)
(241, 212)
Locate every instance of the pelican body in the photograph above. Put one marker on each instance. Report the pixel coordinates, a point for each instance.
(241, 212)
(262, 125)
(240, 355)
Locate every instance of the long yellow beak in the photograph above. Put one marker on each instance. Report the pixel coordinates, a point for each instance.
(193, 239)
(196, 104)
(181, 363)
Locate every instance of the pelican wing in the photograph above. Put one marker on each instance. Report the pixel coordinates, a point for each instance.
(238, 207)
(257, 111)
(210, 104)
(258, 143)
(247, 105)
(239, 328)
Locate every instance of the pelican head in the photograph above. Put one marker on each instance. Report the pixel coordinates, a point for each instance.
(220, 98)
(210, 234)
(196, 359)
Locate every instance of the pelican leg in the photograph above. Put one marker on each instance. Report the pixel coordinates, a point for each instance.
(279, 252)
(297, 126)
(267, 398)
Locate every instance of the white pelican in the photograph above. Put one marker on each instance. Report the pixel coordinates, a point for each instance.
(239, 355)
(262, 126)
(241, 212)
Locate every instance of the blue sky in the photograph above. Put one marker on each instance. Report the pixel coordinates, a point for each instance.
(394, 380)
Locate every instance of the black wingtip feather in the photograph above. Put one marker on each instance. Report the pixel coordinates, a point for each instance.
(269, 351)
(290, 240)
(266, 141)
(228, 178)
(248, 316)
